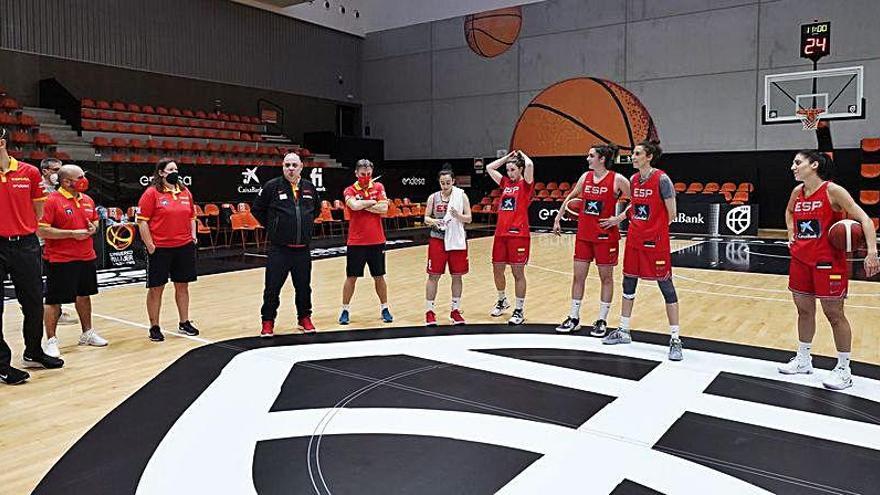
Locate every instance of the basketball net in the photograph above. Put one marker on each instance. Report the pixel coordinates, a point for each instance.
(810, 117)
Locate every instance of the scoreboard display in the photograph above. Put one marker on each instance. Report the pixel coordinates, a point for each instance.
(815, 40)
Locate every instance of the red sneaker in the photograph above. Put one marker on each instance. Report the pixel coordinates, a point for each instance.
(430, 319)
(306, 324)
(456, 317)
(268, 330)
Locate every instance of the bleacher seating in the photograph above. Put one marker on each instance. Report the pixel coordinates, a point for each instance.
(26, 142)
(126, 130)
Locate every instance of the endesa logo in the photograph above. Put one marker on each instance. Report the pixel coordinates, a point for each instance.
(547, 213)
(186, 180)
(413, 181)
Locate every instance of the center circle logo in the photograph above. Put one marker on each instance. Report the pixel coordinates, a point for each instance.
(119, 236)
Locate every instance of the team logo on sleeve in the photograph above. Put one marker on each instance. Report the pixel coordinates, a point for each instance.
(642, 212)
(508, 204)
(592, 207)
(808, 229)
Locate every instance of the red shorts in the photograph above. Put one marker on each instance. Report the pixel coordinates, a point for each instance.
(511, 250)
(824, 280)
(439, 257)
(647, 264)
(605, 253)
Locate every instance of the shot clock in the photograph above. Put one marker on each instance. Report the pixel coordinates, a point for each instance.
(815, 40)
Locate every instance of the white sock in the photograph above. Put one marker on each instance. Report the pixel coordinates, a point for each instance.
(429, 305)
(383, 306)
(604, 308)
(520, 302)
(346, 307)
(673, 331)
(803, 351)
(456, 303)
(501, 295)
(624, 323)
(575, 311)
(843, 359)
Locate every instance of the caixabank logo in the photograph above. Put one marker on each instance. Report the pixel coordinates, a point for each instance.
(479, 410)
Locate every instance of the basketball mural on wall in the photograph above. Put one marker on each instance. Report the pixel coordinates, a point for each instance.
(572, 115)
(491, 33)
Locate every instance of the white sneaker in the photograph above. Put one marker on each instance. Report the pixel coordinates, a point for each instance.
(91, 337)
(51, 347)
(839, 379)
(67, 318)
(499, 308)
(797, 366)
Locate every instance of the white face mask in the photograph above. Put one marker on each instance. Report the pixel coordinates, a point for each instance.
(53, 179)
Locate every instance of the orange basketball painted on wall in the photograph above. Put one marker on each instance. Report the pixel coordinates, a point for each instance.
(491, 33)
(572, 115)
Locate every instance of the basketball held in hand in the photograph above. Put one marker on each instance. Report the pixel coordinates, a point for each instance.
(573, 209)
(847, 235)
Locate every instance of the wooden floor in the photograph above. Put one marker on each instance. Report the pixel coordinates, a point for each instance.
(39, 421)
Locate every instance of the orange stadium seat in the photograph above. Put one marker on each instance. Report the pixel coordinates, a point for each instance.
(694, 188)
(746, 186)
(871, 145)
(871, 170)
(869, 197)
(711, 188)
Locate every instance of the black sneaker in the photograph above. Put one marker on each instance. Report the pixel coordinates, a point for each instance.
(12, 376)
(569, 325)
(42, 360)
(187, 328)
(156, 334)
(600, 327)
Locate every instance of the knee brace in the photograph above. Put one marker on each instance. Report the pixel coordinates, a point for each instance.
(668, 291)
(629, 287)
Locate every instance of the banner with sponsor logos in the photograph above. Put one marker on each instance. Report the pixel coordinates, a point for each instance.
(691, 218)
(121, 185)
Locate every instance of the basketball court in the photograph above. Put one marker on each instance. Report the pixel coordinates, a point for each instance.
(487, 407)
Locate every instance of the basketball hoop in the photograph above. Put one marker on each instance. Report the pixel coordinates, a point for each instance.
(810, 117)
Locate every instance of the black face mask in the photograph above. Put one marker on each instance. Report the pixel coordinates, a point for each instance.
(173, 178)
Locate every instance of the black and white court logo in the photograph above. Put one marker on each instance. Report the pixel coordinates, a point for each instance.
(478, 410)
(739, 219)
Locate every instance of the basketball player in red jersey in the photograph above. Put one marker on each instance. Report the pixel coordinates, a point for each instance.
(648, 254)
(446, 212)
(600, 189)
(817, 269)
(512, 235)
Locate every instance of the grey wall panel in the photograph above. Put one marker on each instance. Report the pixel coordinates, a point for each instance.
(545, 60)
(398, 79)
(405, 127)
(400, 41)
(854, 33)
(704, 43)
(448, 33)
(475, 126)
(702, 113)
(206, 39)
(647, 9)
(555, 16)
(461, 72)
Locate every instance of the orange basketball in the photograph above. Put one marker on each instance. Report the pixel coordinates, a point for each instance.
(491, 33)
(570, 116)
(847, 235)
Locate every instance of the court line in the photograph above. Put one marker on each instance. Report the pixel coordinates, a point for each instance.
(707, 293)
(778, 291)
(147, 327)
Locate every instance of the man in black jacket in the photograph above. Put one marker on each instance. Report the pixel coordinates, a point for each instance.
(286, 207)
